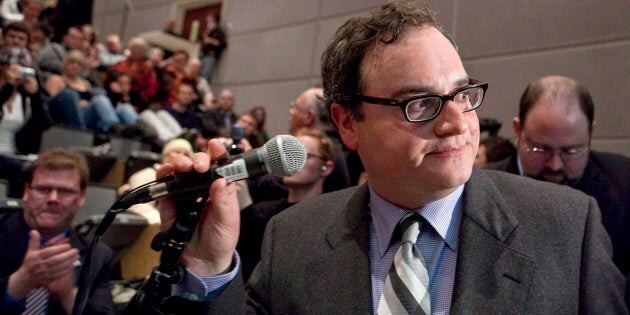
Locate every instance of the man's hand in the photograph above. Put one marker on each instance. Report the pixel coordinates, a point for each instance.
(211, 249)
(42, 265)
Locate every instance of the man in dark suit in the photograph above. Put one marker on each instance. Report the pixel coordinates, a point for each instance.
(41, 251)
(221, 118)
(554, 130)
(492, 243)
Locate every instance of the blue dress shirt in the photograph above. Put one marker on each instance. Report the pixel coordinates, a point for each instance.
(438, 242)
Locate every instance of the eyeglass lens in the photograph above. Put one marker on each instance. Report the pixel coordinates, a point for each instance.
(425, 108)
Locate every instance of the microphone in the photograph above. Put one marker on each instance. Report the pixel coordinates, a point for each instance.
(282, 155)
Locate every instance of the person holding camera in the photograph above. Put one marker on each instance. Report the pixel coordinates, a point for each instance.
(23, 118)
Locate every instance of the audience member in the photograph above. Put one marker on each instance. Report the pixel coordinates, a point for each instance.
(193, 71)
(306, 183)
(41, 253)
(492, 242)
(155, 56)
(26, 11)
(52, 55)
(144, 80)
(73, 102)
(305, 112)
(111, 52)
(15, 40)
(554, 127)
(176, 65)
(182, 108)
(249, 125)
(213, 42)
(15, 34)
(40, 35)
(23, 119)
(260, 114)
(493, 149)
(118, 86)
(221, 119)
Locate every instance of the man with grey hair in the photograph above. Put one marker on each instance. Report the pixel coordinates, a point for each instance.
(144, 79)
(306, 112)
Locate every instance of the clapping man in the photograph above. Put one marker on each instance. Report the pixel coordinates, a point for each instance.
(41, 253)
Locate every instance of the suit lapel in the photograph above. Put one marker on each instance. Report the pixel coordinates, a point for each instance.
(491, 276)
(341, 278)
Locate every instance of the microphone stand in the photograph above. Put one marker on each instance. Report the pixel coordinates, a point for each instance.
(157, 288)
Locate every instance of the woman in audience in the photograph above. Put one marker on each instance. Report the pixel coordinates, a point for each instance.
(118, 85)
(259, 113)
(73, 102)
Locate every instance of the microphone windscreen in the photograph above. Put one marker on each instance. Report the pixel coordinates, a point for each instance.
(286, 155)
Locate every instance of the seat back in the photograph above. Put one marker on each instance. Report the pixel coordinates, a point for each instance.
(98, 200)
(123, 147)
(4, 188)
(67, 137)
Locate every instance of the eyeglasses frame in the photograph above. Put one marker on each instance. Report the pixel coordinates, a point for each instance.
(402, 103)
(540, 149)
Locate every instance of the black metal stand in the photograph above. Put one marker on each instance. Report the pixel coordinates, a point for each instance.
(151, 296)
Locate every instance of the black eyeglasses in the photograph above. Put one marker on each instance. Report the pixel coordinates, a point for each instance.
(428, 106)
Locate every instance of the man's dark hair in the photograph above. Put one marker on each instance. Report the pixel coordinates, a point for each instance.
(16, 27)
(342, 58)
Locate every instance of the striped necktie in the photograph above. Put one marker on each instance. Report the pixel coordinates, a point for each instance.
(406, 289)
(36, 302)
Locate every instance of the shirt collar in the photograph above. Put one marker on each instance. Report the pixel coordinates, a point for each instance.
(440, 214)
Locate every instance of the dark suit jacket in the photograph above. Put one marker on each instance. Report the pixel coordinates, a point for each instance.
(523, 250)
(14, 242)
(606, 178)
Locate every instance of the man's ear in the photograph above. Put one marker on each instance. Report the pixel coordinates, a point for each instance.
(343, 119)
(516, 124)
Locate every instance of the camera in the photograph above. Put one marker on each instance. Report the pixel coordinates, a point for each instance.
(26, 72)
(236, 133)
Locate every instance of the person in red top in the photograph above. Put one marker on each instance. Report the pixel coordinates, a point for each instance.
(144, 79)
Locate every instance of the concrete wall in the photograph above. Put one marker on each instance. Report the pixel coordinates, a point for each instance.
(274, 49)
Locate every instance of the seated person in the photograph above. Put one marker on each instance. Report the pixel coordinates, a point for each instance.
(306, 183)
(23, 119)
(555, 124)
(182, 107)
(493, 149)
(74, 103)
(41, 254)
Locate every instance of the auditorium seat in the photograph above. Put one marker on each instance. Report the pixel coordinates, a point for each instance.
(67, 137)
(98, 200)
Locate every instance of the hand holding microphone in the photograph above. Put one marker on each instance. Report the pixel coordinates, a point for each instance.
(211, 249)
